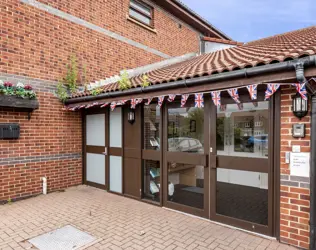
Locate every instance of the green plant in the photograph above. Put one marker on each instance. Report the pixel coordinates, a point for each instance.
(145, 81)
(124, 82)
(61, 92)
(9, 201)
(71, 77)
(96, 91)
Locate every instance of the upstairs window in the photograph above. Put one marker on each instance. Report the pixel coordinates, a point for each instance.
(141, 12)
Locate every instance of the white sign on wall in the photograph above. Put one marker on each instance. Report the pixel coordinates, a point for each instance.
(299, 164)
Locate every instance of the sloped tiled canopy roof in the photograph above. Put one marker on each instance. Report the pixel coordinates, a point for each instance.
(270, 50)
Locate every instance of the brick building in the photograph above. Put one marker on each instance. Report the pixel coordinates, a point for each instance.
(225, 163)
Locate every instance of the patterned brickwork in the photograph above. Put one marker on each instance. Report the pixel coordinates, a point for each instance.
(295, 192)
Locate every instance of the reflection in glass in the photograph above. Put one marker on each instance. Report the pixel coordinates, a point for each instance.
(151, 182)
(242, 195)
(243, 131)
(151, 127)
(186, 130)
(186, 184)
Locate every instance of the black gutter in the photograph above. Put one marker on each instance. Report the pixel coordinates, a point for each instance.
(243, 73)
(313, 176)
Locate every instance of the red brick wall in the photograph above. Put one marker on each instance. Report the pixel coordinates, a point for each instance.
(38, 44)
(295, 192)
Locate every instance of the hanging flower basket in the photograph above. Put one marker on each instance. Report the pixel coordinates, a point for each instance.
(19, 96)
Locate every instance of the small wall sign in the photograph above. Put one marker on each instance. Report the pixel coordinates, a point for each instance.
(299, 164)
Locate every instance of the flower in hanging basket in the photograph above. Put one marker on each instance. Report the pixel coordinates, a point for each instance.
(1, 83)
(8, 84)
(28, 87)
(20, 85)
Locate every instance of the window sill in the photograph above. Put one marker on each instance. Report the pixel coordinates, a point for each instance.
(141, 24)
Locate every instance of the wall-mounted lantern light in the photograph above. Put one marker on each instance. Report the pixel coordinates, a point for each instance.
(131, 116)
(299, 106)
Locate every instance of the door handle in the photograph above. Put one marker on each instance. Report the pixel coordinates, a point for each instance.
(105, 151)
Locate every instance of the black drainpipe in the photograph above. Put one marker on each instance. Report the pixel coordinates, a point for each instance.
(313, 176)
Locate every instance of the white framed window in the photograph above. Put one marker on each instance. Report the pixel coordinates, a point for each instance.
(141, 12)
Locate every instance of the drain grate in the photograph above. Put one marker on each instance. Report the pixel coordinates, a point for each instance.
(65, 238)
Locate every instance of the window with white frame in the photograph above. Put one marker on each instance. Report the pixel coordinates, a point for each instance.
(141, 12)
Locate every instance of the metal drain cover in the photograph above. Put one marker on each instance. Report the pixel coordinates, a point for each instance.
(65, 238)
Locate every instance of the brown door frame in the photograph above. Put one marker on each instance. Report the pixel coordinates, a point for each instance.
(94, 149)
(190, 158)
(273, 174)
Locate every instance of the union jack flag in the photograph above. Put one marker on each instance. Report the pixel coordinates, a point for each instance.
(252, 89)
(133, 103)
(113, 105)
(104, 105)
(122, 102)
(73, 108)
(216, 97)
(301, 89)
(184, 99)
(199, 100)
(92, 105)
(139, 100)
(171, 97)
(271, 89)
(160, 100)
(234, 94)
(148, 101)
(82, 106)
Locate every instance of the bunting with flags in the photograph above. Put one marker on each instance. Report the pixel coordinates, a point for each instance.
(113, 105)
(104, 105)
(271, 89)
(216, 97)
(171, 97)
(133, 103)
(234, 94)
(148, 101)
(160, 100)
(301, 89)
(82, 106)
(92, 105)
(253, 89)
(184, 99)
(139, 100)
(199, 100)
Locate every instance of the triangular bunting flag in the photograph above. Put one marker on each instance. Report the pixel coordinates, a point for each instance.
(271, 89)
(184, 99)
(199, 100)
(148, 101)
(113, 105)
(92, 105)
(82, 106)
(301, 89)
(133, 103)
(139, 100)
(252, 89)
(104, 105)
(160, 100)
(234, 94)
(171, 97)
(216, 97)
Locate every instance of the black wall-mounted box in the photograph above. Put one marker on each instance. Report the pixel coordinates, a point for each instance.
(9, 131)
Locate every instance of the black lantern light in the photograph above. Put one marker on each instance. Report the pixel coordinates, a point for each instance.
(131, 116)
(299, 106)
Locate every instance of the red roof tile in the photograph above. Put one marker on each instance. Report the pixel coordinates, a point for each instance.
(279, 48)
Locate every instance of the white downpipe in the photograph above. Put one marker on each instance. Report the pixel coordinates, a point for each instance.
(44, 179)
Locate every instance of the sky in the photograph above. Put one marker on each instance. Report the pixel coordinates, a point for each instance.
(247, 20)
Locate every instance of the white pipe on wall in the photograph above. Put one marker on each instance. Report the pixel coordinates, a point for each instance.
(44, 179)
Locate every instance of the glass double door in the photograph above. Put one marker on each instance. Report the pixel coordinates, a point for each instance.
(103, 150)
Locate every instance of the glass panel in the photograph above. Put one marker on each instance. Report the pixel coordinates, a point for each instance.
(141, 7)
(151, 127)
(186, 184)
(96, 168)
(242, 195)
(152, 180)
(139, 16)
(116, 128)
(116, 174)
(95, 130)
(243, 131)
(186, 130)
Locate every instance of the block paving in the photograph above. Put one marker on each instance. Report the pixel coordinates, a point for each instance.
(118, 223)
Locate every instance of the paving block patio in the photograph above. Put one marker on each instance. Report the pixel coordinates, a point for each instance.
(118, 223)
